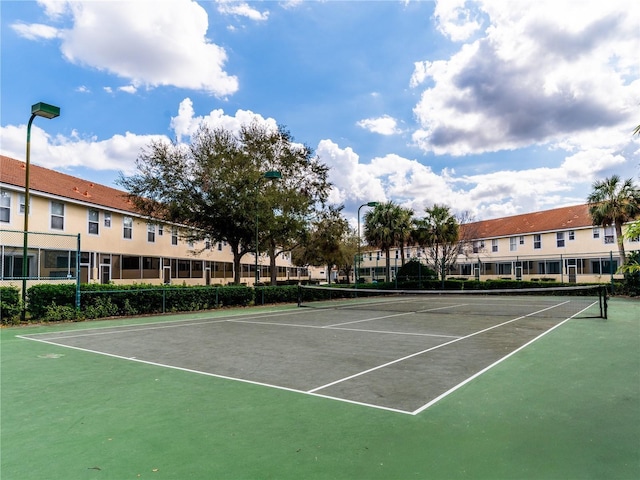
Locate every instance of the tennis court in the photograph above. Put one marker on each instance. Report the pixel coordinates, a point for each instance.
(401, 354)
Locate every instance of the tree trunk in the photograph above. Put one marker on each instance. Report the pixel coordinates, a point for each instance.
(388, 262)
(620, 240)
(236, 262)
(273, 269)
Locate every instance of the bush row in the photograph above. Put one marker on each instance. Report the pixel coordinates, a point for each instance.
(57, 302)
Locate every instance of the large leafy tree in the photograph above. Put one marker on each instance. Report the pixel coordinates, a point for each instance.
(215, 187)
(386, 226)
(286, 205)
(324, 244)
(438, 232)
(614, 202)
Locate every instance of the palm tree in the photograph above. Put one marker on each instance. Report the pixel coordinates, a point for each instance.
(439, 233)
(614, 203)
(381, 229)
(403, 228)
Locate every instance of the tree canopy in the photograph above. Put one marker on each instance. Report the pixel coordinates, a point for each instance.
(215, 187)
(614, 202)
(439, 233)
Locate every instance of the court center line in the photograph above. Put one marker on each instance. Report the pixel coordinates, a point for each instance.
(373, 369)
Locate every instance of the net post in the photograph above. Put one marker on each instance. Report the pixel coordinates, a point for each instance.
(299, 295)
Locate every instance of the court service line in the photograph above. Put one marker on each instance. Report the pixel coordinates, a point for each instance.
(216, 375)
(431, 349)
(484, 370)
(321, 327)
(392, 315)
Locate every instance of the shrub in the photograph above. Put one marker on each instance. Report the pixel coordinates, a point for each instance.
(59, 313)
(9, 304)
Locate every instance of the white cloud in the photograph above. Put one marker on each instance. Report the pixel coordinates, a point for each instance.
(186, 123)
(241, 9)
(150, 44)
(117, 153)
(384, 125)
(128, 89)
(454, 20)
(523, 81)
(35, 31)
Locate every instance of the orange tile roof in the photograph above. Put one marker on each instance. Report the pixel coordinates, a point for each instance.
(12, 172)
(564, 218)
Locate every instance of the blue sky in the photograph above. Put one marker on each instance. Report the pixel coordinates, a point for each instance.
(487, 109)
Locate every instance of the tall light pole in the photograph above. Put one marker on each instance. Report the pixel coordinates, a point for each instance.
(270, 175)
(368, 204)
(38, 110)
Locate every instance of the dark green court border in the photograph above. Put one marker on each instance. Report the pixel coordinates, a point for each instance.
(568, 406)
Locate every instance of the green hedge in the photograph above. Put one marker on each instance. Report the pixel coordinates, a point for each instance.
(9, 304)
(280, 294)
(52, 302)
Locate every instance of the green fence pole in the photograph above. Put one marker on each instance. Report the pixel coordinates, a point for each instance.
(78, 276)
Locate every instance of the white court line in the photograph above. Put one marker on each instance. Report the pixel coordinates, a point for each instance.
(151, 326)
(225, 377)
(313, 392)
(320, 327)
(429, 350)
(484, 370)
(392, 315)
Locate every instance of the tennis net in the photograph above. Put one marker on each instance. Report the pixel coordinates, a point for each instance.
(549, 302)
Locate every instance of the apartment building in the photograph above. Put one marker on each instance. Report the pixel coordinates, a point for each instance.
(559, 244)
(117, 245)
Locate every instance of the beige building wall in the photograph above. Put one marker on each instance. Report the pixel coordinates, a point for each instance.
(585, 252)
(121, 247)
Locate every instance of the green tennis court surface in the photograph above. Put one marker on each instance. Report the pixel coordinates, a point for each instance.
(400, 361)
(162, 400)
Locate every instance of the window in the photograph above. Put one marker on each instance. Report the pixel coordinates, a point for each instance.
(21, 204)
(160, 230)
(219, 246)
(504, 269)
(549, 268)
(107, 219)
(94, 221)
(513, 244)
(174, 236)
(57, 216)
(560, 239)
(603, 265)
(572, 235)
(5, 206)
(127, 227)
(537, 241)
(596, 232)
(609, 235)
(151, 232)
(494, 245)
(478, 245)
(521, 239)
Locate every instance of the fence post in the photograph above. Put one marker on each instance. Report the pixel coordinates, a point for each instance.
(78, 276)
(613, 285)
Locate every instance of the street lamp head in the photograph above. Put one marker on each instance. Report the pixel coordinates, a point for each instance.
(45, 110)
(272, 175)
(373, 204)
